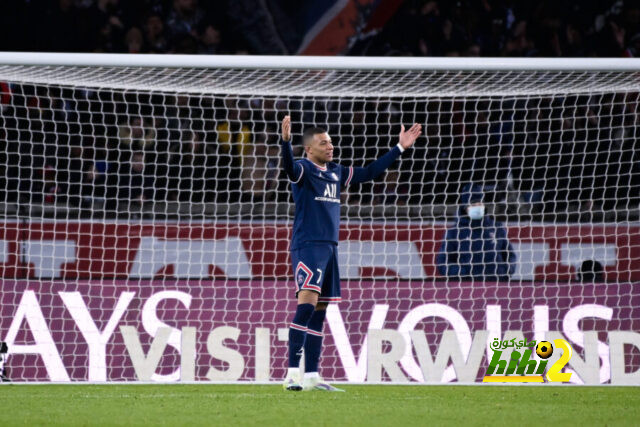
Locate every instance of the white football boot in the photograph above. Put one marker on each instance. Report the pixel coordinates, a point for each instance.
(312, 381)
(292, 381)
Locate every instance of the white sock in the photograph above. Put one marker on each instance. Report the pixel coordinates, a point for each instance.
(311, 375)
(293, 372)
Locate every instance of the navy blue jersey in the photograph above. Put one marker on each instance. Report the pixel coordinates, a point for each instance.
(317, 197)
(316, 194)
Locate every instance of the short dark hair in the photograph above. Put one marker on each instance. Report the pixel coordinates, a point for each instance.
(308, 134)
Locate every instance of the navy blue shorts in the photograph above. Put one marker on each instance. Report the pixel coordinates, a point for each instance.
(315, 268)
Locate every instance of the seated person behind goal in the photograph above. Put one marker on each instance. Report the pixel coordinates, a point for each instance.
(476, 247)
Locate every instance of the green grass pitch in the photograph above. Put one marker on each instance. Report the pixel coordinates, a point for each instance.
(360, 405)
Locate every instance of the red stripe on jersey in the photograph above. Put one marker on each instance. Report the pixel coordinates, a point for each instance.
(350, 176)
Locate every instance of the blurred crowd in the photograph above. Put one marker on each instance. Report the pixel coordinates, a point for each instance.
(109, 149)
(118, 26)
(96, 147)
(545, 28)
(562, 28)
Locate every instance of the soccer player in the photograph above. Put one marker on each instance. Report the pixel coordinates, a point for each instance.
(316, 183)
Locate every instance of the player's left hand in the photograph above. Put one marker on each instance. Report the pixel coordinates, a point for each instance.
(409, 137)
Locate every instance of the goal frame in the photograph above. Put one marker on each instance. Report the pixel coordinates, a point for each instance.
(232, 62)
(320, 62)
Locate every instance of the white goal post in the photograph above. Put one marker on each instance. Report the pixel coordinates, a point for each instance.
(145, 223)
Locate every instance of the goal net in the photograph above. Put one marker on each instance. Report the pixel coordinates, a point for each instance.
(146, 221)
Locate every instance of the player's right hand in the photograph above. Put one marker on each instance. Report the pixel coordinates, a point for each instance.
(286, 128)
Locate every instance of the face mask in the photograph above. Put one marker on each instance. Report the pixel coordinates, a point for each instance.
(475, 212)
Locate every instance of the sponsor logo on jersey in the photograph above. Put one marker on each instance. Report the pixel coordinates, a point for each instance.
(330, 190)
(330, 194)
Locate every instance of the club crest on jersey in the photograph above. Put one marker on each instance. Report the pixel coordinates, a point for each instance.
(334, 176)
(302, 274)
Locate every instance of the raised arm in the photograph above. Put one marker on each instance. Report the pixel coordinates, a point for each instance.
(373, 170)
(293, 170)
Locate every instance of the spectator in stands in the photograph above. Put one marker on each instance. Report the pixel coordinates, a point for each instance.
(234, 139)
(137, 181)
(155, 40)
(585, 159)
(234, 133)
(591, 271)
(476, 248)
(184, 18)
(185, 44)
(391, 191)
(95, 178)
(634, 46)
(518, 42)
(72, 175)
(47, 183)
(527, 166)
(136, 134)
(273, 171)
(472, 50)
(210, 40)
(134, 41)
(257, 179)
(419, 27)
(105, 26)
(130, 184)
(192, 169)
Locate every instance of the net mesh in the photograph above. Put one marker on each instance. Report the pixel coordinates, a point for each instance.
(146, 206)
(340, 83)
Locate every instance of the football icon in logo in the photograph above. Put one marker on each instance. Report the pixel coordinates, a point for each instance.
(544, 349)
